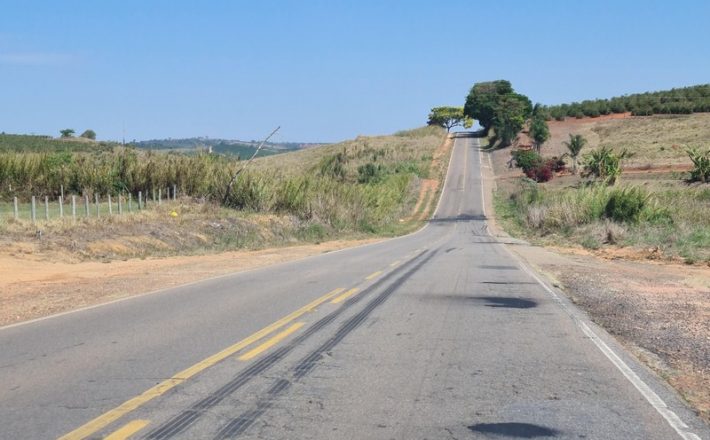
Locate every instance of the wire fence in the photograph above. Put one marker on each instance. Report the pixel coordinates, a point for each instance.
(73, 207)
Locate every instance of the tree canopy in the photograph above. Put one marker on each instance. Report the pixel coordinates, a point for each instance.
(89, 134)
(494, 104)
(539, 131)
(449, 117)
(67, 132)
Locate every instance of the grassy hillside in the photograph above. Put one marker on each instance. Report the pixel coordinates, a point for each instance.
(243, 149)
(652, 212)
(357, 188)
(658, 140)
(32, 143)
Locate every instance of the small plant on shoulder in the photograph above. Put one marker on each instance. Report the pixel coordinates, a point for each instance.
(575, 145)
(701, 165)
(604, 164)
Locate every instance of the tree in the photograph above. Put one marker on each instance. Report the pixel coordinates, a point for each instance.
(511, 112)
(449, 117)
(539, 131)
(482, 101)
(575, 145)
(89, 134)
(67, 132)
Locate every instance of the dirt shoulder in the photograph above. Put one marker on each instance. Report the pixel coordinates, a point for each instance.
(33, 287)
(659, 310)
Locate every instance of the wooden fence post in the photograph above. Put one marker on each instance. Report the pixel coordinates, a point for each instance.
(140, 200)
(120, 207)
(174, 192)
(110, 208)
(98, 206)
(160, 197)
(130, 203)
(73, 207)
(86, 205)
(46, 207)
(34, 209)
(61, 207)
(17, 211)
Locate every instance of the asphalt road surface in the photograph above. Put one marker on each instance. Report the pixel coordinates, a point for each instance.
(439, 334)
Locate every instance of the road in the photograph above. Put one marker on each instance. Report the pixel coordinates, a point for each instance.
(439, 334)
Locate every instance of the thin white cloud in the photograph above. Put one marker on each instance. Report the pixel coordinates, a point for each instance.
(35, 58)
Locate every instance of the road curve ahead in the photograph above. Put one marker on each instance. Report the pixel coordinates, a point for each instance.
(439, 334)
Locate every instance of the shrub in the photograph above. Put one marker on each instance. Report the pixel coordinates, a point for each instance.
(541, 172)
(526, 159)
(371, 173)
(604, 164)
(557, 164)
(701, 166)
(626, 205)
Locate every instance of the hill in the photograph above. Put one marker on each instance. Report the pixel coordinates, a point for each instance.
(38, 143)
(221, 146)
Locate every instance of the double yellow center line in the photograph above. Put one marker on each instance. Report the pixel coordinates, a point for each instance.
(335, 296)
(111, 416)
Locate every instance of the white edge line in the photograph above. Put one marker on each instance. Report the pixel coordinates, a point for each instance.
(236, 273)
(654, 399)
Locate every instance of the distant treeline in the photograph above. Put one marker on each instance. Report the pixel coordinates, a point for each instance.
(35, 143)
(684, 100)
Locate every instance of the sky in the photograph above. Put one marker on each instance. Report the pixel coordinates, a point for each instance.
(324, 71)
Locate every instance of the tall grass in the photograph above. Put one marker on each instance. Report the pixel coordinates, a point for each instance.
(676, 221)
(325, 187)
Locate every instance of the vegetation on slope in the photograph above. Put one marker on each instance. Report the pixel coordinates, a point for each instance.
(359, 187)
(684, 100)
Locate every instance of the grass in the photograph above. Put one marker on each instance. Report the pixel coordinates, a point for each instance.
(672, 219)
(45, 144)
(309, 195)
(654, 140)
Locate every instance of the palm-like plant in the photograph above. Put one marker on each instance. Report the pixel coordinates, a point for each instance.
(605, 164)
(575, 145)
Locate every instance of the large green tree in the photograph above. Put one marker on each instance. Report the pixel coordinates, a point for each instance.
(494, 104)
(89, 134)
(482, 101)
(511, 112)
(449, 117)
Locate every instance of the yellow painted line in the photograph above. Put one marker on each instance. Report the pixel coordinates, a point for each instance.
(396, 263)
(128, 430)
(111, 416)
(256, 351)
(373, 275)
(344, 296)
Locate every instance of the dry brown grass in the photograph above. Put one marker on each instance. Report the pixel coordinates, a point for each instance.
(659, 140)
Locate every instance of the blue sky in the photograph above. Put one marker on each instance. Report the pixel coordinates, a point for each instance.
(324, 70)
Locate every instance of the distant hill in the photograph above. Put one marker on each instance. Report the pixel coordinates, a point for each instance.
(34, 143)
(221, 146)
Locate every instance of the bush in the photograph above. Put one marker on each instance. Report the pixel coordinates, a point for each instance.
(557, 164)
(371, 173)
(526, 159)
(542, 172)
(701, 166)
(626, 205)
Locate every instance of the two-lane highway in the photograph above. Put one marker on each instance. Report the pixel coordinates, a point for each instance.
(439, 334)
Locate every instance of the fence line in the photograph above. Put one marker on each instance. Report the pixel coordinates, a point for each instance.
(110, 205)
